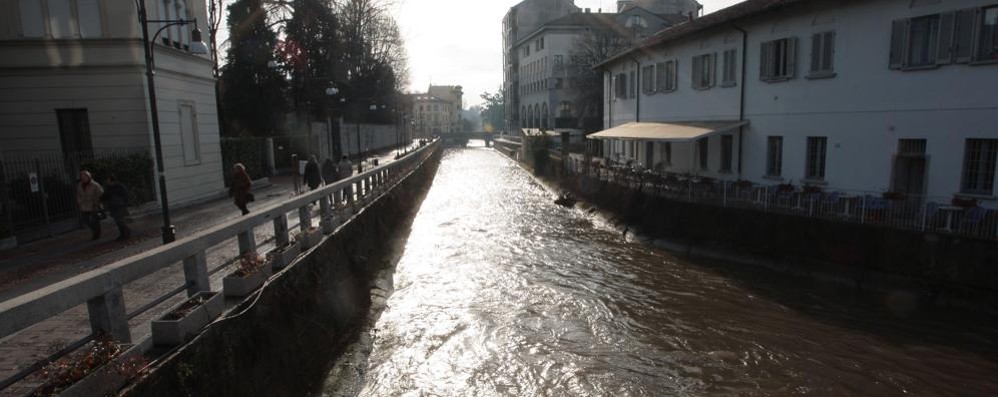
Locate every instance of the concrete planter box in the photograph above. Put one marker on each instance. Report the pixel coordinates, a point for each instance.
(106, 380)
(7, 243)
(237, 287)
(283, 258)
(309, 239)
(172, 332)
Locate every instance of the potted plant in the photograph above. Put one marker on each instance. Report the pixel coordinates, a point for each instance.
(283, 255)
(102, 369)
(253, 271)
(964, 202)
(187, 319)
(309, 238)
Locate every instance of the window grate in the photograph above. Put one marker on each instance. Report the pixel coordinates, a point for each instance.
(774, 156)
(911, 147)
(816, 152)
(979, 166)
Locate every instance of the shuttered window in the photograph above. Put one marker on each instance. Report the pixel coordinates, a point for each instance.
(90, 20)
(963, 36)
(660, 77)
(648, 79)
(666, 80)
(621, 88)
(822, 55)
(923, 38)
(61, 24)
(703, 71)
(987, 49)
(728, 78)
(817, 147)
(979, 166)
(778, 59)
(774, 156)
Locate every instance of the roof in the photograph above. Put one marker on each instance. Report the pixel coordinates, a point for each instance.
(746, 9)
(672, 132)
(574, 19)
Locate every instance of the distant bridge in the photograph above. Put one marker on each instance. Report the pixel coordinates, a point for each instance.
(462, 138)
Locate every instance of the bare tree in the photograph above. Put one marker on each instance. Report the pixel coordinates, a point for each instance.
(591, 48)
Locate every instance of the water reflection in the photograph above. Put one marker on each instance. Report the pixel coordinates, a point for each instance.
(501, 292)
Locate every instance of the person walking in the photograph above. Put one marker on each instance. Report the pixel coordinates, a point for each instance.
(115, 199)
(330, 173)
(312, 176)
(240, 188)
(88, 194)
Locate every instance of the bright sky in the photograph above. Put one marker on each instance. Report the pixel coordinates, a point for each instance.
(459, 42)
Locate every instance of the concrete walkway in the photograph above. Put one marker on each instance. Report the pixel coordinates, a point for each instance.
(45, 262)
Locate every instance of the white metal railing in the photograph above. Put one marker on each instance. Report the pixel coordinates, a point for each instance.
(101, 289)
(910, 212)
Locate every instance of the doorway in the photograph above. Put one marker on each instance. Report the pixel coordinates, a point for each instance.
(649, 155)
(910, 166)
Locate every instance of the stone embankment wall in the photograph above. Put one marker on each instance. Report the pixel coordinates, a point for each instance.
(284, 341)
(938, 269)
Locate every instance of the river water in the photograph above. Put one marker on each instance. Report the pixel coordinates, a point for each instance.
(501, 292)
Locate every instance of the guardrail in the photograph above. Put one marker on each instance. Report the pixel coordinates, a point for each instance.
(910, 212)
(101, 289)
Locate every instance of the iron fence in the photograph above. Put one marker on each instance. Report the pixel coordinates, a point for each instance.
(39, 188)
(946, 215)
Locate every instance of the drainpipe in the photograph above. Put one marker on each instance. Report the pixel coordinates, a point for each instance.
(741, 99)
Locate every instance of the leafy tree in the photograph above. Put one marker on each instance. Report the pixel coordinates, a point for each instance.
(373, 56)
(310, 51)
(252, 91)
(494, 111)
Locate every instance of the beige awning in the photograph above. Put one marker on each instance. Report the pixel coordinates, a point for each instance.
(682, 131)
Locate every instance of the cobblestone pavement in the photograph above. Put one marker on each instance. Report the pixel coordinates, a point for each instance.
(34, 343)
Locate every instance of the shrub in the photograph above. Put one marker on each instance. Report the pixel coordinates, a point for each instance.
(538, 152)
(248, 151)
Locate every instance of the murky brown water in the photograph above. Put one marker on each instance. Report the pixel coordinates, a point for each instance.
(500, 292)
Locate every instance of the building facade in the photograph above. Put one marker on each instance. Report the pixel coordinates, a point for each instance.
(437, 111)
(541, 66)
(72, 81)
(864, 96)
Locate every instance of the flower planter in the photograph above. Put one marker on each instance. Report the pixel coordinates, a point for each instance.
(107, 379)
(237, 287)
(280, 259)
(184, 321)
(309, 239)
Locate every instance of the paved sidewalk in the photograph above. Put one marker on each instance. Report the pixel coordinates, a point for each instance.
(45, 262)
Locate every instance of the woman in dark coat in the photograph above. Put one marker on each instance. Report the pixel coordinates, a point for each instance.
(115, 199)
(330, 173)
(240, 188)
(313, 176)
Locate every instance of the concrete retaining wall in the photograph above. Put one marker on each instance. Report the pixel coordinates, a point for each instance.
(936, 268)
(283, 342)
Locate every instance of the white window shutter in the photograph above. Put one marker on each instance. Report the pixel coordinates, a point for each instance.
(944, 45)
(898, 36)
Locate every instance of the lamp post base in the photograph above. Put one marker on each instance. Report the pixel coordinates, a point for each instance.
(169, 234)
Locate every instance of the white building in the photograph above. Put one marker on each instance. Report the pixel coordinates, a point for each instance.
(876, 96)
(72, 80)
(438, 110)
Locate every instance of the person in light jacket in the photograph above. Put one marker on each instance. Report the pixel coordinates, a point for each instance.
(115, 200)
(88, 194)
(240, 188)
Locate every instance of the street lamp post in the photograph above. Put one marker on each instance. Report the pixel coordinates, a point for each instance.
(196, 47)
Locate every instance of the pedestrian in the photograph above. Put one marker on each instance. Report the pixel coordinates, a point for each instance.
(330, 173)
(312, 176)
(88, 194)
(240, 188)
(115, 199)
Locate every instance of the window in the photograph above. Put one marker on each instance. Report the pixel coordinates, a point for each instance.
(667, 152)
(923, 36)
(666, 81)
(822, 53)
(774, 156)
(778, 59)
(728, 78)
(815, 166)
(979, 166)
(703, 71)
(632, 85)
(559, 61)
(648, 79)
(621, 88)
(727, 145)
(74, 131)
(189, 133)
(987, 49)
(32, 18)
(702, 148)
(565, 110)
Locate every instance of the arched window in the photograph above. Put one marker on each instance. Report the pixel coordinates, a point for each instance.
(529, 120)
(544, 116)
(524, 117)
(537, 116)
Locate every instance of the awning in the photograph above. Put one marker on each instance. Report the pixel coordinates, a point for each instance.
(682, 131)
